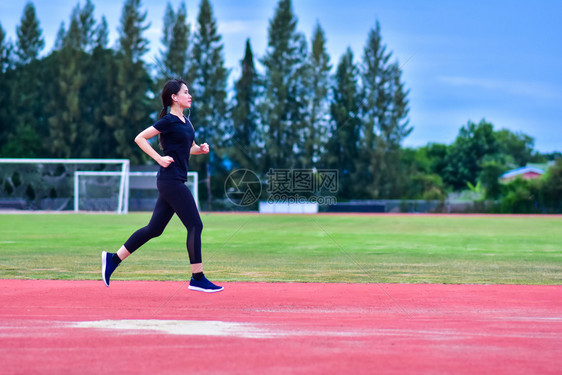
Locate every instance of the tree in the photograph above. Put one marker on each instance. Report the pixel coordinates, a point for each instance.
(474, 144)
(133, 83)
(520, 197)
(132, 44)
(384, 111)
(102, 34)
(437, 154)
(5, 52)
(25, 111)
(319, 85)
(100, 95)
(209, 78)
(420, 181)
(284, 106)
(245, 141)
(551, 156)
(87, 26)
(81, 32)
(517, 147)
(29, 41)
(490, 178)
(59, 41)
(167, 27)
(26, 97)
(66, 122)
(71, 130)
(552, 187)
(342, 147)
(5, 65)
(176, 37)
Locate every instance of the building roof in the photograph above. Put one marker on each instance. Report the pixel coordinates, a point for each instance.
(521, 171)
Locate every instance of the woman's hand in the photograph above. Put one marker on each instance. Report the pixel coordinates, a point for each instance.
(165, 161)
(204, 148)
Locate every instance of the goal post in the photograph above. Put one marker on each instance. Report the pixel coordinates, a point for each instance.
(192, 182)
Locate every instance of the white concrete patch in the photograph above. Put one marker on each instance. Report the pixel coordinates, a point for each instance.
(181, 327)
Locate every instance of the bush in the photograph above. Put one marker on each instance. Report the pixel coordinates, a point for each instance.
(518, 198)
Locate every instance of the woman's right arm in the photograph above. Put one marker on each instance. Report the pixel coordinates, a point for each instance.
(142, 140)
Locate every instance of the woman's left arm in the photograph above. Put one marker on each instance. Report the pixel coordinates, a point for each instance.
(197, 150)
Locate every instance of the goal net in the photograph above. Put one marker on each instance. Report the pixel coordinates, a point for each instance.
(77, 184)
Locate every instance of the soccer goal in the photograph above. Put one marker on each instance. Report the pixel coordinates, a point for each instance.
(75, 184)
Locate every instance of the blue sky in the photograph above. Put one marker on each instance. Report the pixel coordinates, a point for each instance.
(462, 60)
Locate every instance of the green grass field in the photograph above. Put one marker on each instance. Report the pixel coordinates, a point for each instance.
(318, 248)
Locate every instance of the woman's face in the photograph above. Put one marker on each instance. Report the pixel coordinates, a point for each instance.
(183, 98)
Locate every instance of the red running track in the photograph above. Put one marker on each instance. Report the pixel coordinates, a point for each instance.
(147, 327)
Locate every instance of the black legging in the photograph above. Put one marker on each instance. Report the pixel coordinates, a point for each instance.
(173, 197)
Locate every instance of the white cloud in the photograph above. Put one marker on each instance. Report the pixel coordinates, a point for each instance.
(536, 90)
(238, 27)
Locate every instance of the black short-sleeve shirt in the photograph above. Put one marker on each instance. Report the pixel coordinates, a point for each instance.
(176, 138)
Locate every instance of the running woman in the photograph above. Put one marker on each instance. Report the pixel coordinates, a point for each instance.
(176, 135)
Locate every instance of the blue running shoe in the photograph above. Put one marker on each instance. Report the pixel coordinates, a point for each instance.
(204, 285)
(108, 265)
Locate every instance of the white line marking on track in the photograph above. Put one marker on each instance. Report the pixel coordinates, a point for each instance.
(180, 327)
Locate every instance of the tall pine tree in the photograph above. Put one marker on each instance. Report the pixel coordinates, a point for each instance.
(208, 78)
(5, 65)
(71, 130)
(5, 51)
(283, 109)
(59, 41)
(66, 122)
(27, 101)
(102, 68)
(81, 32)
(245, 150)
(173, 61)
(319, 86)
(102, 34)
(132, 112)
(342, 148)
(384, 110)
(30, 40)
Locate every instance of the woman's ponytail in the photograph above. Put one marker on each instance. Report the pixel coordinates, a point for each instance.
(163, 113)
